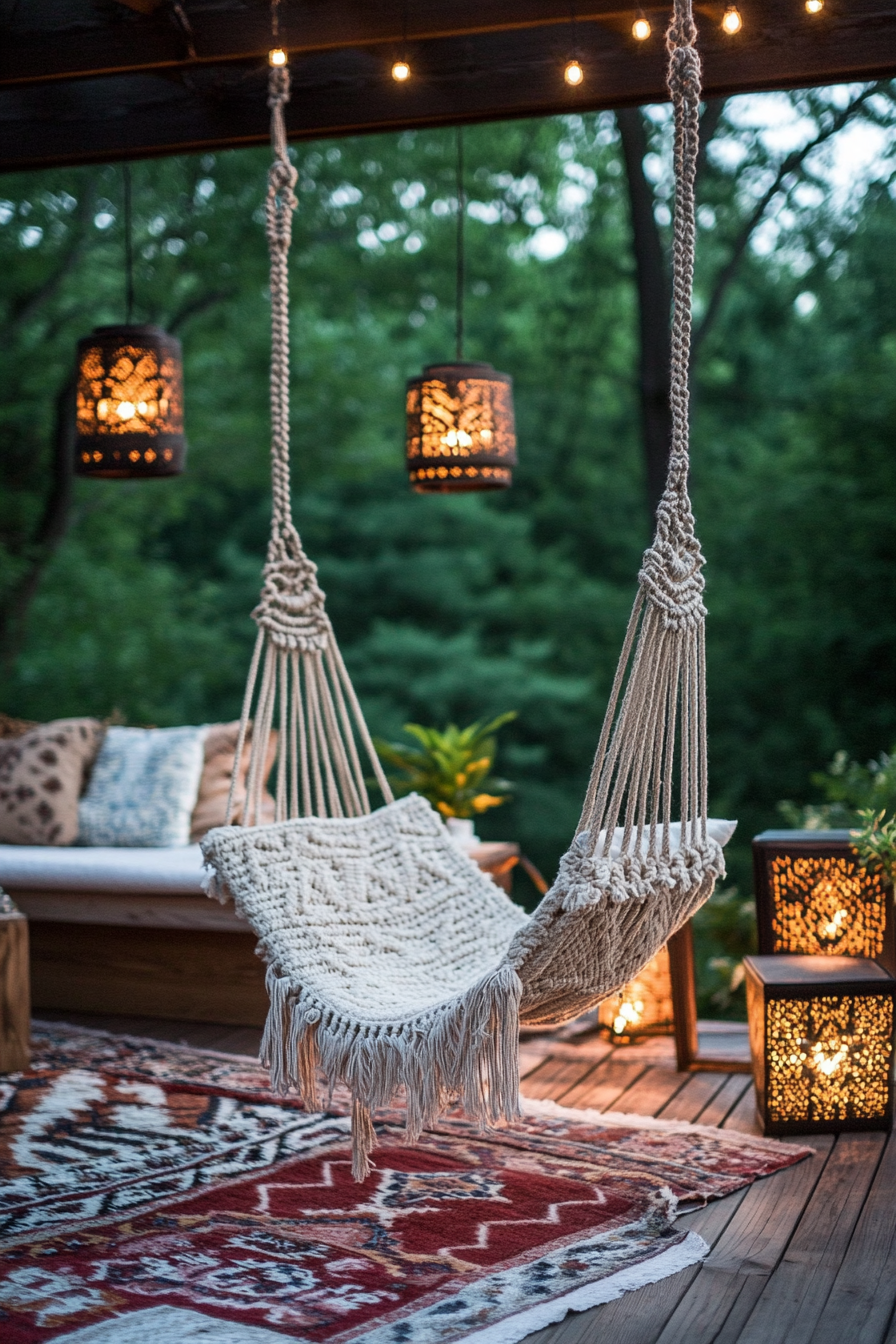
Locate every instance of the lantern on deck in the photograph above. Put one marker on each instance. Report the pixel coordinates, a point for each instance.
(821, 1039)
(644, 1007)
(814, 897)
(460, 429)
(129, 419)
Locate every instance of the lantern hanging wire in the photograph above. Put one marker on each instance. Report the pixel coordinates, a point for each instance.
(129, 415)
(461, 434)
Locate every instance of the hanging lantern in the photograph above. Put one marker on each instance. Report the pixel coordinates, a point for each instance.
(814, 897)
(644, 1007)
(821, 1038)
(129, 403)
(460, 428)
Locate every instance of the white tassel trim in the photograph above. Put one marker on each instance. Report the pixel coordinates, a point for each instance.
(465, 1049)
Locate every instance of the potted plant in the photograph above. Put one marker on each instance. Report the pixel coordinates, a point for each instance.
(452, 768)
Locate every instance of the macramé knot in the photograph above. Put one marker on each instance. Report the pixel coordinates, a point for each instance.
(672, 578)
(278, 86)
(684, 73)
(291, 609)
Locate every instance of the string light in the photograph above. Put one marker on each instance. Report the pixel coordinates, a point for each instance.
(814, 6)
(277, 56)
(732, 21)
(401, 71)
(641, 29)
(573, 74)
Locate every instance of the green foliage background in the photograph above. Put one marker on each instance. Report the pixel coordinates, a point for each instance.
(463, 607)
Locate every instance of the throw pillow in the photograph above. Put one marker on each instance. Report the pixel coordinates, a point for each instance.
(42, 773)
(214, 787)
(10, 727)
(143, 788)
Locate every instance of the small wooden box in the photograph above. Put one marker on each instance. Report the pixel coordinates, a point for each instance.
(821, 1039)
(15, 994)
(813, 898)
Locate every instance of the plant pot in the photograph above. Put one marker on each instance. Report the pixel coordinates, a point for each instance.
(462, 832)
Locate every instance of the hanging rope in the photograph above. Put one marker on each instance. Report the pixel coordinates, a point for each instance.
(303, 686)
(658, 724)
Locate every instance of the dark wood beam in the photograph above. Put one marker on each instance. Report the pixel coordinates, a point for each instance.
(341, 85)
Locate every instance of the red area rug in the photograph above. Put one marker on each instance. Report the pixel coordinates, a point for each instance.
(152, 1194)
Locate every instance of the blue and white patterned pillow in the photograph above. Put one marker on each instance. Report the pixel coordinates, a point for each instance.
(143, 788)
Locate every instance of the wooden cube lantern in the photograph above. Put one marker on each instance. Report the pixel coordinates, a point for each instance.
(821, 1039)
(814, 898)
(644, 1007)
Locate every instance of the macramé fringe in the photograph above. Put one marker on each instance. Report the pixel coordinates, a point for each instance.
(466, 1049)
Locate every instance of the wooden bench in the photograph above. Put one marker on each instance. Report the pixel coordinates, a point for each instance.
(130, 931)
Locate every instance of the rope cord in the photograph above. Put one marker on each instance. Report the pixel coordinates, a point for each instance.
(296, 664)
(656, 715)
(459, 276)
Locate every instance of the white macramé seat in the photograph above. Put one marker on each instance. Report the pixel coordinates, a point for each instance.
(393, 963)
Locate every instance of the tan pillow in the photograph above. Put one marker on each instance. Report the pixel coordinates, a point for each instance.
(10, 727)
(214, 786)
(42, 775)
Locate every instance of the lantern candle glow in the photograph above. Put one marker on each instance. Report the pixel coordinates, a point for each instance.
(460, 429)
(813, 897)
(644, 1007)
(129, 403)
(821, 1039)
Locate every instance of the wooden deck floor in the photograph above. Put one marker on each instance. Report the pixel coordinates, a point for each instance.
(807, 1256)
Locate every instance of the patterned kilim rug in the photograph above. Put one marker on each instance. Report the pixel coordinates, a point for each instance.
(154, 1194)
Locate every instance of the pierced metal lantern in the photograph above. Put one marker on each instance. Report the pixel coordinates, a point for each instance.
(129, 403)
(644, 1007)
(460, 429)
(814, 897)
(821, 1039)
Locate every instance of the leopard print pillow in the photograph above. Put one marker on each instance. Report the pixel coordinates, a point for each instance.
(42, 776)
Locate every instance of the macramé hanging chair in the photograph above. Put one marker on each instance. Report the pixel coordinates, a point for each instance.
(394, 965)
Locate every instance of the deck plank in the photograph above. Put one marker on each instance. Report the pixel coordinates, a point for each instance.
(726, 1099)
(600, 1089)
(860, 1305)
(553, 1078)
(652, 1091)
(733, 1275)
(693, 1097)
(793, 1300)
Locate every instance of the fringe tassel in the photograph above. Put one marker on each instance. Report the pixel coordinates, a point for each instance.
(363, 1141)
(467, 1049)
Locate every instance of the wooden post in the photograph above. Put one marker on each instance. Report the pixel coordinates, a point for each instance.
(15, 993)
(684, 997)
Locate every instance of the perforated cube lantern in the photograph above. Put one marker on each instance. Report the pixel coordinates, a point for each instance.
(129, 419)
(814, 898)
(461, 434)
(644, 1007)
(821, 1040)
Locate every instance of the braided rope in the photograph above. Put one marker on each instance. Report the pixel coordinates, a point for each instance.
(657, 709)
(296, 657)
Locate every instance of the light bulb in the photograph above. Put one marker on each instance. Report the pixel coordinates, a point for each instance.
(277, 56)
(641, 29)
(573, 74)
(401, 71)
(814, 6)
(731, 20)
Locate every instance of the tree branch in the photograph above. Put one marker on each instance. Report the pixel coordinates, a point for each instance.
(790, 164)
(654, 306)
(50, 530)
(31, 304)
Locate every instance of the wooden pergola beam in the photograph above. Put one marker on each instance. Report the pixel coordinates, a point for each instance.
(83, 88)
